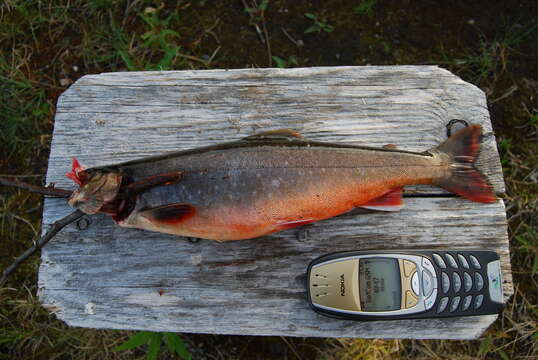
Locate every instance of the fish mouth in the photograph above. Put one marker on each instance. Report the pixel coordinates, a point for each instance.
(105, 193)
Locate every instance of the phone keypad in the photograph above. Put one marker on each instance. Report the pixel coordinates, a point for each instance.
(479, 281)
(410, 300)
(456, 279)
(463, 261)
(454, 303)
(428, 303)
(466, 303)
(467, 282)
(442, 305)
(445, 282)
(451, 261)
(439, 261)
(475, 262)
(409, 267)
(415, 283)
(427, 283)
(461, 282)
(478, 301)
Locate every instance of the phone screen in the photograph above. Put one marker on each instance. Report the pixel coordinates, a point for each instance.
(379, 284)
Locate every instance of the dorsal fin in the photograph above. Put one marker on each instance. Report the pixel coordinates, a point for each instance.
(280, 134)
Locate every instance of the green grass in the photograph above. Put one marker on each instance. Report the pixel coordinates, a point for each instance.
(46, 45)
(365, 7)
(320, 24)
(490, 59)
(282, 63)
(22, 105)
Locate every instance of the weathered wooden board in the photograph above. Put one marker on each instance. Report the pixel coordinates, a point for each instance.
(110, 277)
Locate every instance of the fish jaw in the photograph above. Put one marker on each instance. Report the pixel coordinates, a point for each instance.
(97, 193)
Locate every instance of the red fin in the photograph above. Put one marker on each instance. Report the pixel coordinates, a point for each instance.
(389, 147)
(284, 225)
(390, 201)
(169, 214)
(470, 184)
(465, 180)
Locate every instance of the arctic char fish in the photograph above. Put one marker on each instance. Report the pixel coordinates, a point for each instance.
(269, 182)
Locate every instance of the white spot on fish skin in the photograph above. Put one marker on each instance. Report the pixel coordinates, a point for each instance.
(286, 163)
(275, 183)
(323, 170)
(196, 259)
(89, 308)
(198, 192)
(258, 175)
(216, 188)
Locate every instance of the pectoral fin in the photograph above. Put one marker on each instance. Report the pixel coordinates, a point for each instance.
(170, 214)
(390, 201)
(280, 134)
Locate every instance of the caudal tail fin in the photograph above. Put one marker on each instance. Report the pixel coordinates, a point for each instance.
(465, 180)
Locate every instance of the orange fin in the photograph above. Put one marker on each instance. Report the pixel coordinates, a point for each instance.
(463, 148)
(284, 225)
(280, 134)
(389, 147)
(169, 214)
(390, 201)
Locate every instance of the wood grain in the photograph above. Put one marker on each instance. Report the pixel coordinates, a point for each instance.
(110, 277)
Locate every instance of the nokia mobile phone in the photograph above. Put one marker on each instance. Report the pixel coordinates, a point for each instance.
(409, 284)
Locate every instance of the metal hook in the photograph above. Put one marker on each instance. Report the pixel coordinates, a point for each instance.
(83, 223)
(453, 122)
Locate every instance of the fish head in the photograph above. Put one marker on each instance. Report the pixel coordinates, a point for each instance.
(97, 188)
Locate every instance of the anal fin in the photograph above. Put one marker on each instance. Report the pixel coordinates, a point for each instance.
(170, 214)
(390, 201)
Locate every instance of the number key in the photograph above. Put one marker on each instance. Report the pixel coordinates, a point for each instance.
(456, 279)
(451, 261)
(475, 262)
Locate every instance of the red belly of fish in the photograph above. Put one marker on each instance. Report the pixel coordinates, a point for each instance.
(281, 211)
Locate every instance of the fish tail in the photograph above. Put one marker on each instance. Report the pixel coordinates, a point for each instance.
(463, 148)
